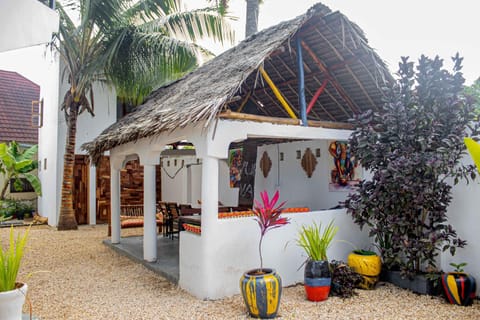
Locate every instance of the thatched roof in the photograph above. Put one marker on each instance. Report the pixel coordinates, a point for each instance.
(335, 52)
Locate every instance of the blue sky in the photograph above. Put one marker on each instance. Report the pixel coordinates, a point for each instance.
(393, 28)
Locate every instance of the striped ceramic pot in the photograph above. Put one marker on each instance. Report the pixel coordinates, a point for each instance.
(318, 280)
(459, 288)
(261, 291)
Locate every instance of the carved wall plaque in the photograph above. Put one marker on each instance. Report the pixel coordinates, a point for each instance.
(309, 162)
(265, 164)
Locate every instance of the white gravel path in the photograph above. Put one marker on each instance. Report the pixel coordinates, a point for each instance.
(77, 277)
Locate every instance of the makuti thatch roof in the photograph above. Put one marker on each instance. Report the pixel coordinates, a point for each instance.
(335, 54)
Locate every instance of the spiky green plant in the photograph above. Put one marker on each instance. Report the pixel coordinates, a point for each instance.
(10, 259)
(314, 241)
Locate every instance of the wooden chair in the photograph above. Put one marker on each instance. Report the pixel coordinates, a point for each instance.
(174, 213)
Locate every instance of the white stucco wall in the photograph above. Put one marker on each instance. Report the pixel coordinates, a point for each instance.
(238, 251)
(47, 136)
(26, 23)
(464, 216)
(52, 136)
(290, 179)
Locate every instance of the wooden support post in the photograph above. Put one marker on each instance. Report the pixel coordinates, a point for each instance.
(301, 84)
(277, 94)
(317, 94)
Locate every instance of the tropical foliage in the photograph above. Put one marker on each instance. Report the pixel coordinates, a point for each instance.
(316, 242)
(10, 259)
(135, 45)
(16, 164)
(413, 149)
(268, 216)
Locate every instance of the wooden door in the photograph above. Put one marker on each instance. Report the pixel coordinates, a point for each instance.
(80, 188)
(103, 190)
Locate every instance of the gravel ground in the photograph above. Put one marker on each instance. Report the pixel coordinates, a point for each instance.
(77, 277)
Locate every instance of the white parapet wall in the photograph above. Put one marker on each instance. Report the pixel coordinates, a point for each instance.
(236, 251)
(464, 215)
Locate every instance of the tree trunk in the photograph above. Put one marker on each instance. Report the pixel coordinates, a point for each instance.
(251, 25)
(66, 219)
(5, 187)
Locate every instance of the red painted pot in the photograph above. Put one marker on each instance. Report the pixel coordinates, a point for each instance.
(318, 280)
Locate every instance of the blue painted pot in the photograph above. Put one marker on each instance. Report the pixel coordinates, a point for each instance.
(459, 288)
(261, 292)
(318, 280)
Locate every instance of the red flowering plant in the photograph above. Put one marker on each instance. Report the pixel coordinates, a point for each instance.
(268, 217)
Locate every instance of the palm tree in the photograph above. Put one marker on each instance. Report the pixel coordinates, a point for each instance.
(251, 23)
(136, 46)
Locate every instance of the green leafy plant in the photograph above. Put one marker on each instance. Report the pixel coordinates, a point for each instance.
(458, 267)
(268, 217)
(17, 164)
(344, 279)
(314, 241)
(10, 259)
(413, 147)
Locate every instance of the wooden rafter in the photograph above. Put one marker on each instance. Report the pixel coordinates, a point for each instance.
(330, 77)
(332, 97)
(255, 100)
(321, 106)
(277, 93)
(347, 67)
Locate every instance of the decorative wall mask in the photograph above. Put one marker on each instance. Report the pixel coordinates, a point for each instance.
(309, 162)
(265, 164)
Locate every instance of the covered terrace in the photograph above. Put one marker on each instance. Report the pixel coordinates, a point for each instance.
(258, 89)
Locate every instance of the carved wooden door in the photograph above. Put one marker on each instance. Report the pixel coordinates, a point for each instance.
(80, 188)
(103, 190)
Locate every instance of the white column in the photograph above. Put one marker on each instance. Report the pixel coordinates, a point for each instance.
(115, 199)
(149, 211)
(93, 195)
(209, 222)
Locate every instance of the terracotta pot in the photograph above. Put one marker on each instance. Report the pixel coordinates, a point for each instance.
(459, 288)
(368, 265)
(261, 291)
(11, 302)
(318, 280)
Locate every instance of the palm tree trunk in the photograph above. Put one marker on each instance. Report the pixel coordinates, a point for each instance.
(251, 25)
(66, 219)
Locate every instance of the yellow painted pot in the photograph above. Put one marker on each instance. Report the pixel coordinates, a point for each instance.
(368, 265)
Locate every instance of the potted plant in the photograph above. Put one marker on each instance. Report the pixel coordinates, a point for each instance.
(368, 264)
(12, 292)
(317, 279)
(262, 288)
(459, 287)
(413, 147)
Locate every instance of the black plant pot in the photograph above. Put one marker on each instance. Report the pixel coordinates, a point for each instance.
(418, 284)
(318, 280)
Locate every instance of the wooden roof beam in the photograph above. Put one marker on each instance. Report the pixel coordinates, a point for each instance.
(347, 67)
(285, 121)
(333, 81)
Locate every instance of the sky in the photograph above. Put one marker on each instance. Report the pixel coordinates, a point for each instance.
(394, 28)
